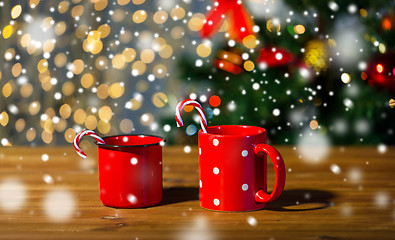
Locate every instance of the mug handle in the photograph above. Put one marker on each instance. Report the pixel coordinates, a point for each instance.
(279, 170)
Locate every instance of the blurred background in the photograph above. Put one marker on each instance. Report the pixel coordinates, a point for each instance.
(317, 72)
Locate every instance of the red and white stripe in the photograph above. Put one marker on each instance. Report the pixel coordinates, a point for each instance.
(198, 107)
(77, 140)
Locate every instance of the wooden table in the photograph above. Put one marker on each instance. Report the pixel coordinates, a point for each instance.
(58, 198)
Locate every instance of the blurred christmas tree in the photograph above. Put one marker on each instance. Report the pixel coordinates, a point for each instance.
(311, 66)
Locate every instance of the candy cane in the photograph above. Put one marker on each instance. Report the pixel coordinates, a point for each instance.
(77, 139)
(181, 105)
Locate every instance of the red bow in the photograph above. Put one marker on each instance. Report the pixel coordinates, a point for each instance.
(240, 22)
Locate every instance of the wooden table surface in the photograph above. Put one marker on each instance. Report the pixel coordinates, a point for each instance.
(57, 197)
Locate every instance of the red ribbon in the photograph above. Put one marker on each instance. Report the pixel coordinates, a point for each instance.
(240, 22)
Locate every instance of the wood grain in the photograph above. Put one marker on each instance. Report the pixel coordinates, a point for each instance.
(357, 203)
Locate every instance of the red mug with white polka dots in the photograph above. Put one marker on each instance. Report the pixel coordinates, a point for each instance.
(233, 171)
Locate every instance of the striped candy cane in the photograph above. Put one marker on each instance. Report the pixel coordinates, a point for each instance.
(181, 105)
(77, 140)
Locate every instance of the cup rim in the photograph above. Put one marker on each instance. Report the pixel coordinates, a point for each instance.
(234, 135)
(130, 146)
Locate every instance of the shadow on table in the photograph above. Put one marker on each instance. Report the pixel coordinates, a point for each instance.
(301, 200)
(179, 194)
(289, 201)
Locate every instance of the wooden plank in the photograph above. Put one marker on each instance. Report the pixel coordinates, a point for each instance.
(357, 203)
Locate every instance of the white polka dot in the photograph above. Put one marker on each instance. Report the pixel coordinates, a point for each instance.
(244, 187)
(215, 142)
(216, 202)
(200, 183)
(133, 161)
(200, 151)
(215, 170)
(244, 153)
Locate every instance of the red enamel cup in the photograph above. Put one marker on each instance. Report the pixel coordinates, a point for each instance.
(232, 168)
(130, 171)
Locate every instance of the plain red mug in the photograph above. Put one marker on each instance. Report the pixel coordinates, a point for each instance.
(233, 170)
(130, 171)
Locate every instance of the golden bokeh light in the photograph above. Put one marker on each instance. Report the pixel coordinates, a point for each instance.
(60, 28)
(16, 11)
(16, 69)
(69, 135)
(91, 122)
(105, 113)
(46, 136)
(20, 125)
(34, 3)
(159, 99)
(77, 66)
(134, 103)
(104, 30)
(87, 80)
(119, 15)
(118, 61)
(196, 22)
(47, 23)
(177, 32)
(25, 40)
(123, 2)
(166, 52)
(7, 31)
(101, 63)
(129, 54)
(203, 50)
(147, 56)
(139, 16)
(63, 7)
(31, 134)
(65, 111)
(7, 89)
(177, 13)
(250, 41)
(68, 88)
(249, 65)
(102, 91)
(77, 11)
(26, 90)
(299, 29)
(116, 90)
(138, 2)
(4, 118)
(79, 116)
(81, 31)
(273, 25)
(61, 125)
(125, 36)
(126, 126)
(100, 5)
(160, 71)
(160, 17)
(34, 108)
(42, 65)
(138, 68)
(103, 126)
(158, 44)
(48, 45)
(60, 60)
(313, 124)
